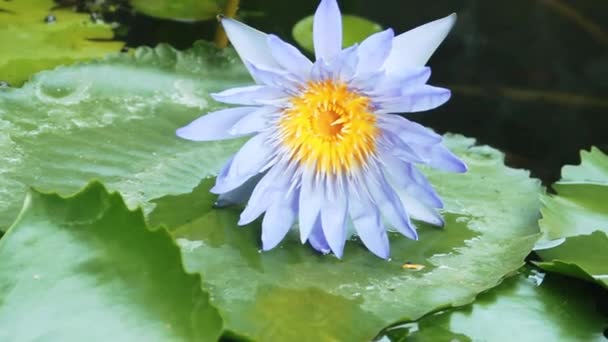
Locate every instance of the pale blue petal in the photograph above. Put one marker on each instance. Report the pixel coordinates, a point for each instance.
(439, 157)
(250, 95)
(255, 122)
(414, 48)
(254, 157)
(374, 50)
(275, 78)
(278, 219)
(344, 65)
(407, 130)
(418, 210)
(333, 220)
(399, 148)
(290, 58)
(311, 197)
(390, 206)
(370, 229)
(271, 186)
(317, 238)
(239, 195)
(320, 71)
(417, 100)
(404, 176)
(214, 125)
(249, 43)
(327, 29)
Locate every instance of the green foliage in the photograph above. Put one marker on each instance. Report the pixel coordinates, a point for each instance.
(278, 295)
(86, 268)
(579, 214)
(29, 44)
(529, 307)
(183, 10)
(355, 30)
(113, 120)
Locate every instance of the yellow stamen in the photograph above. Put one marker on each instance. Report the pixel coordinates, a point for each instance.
(329, 127)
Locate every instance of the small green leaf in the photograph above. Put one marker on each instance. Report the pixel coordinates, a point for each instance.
(579, 214)
(29, 44)
(293, 293)
(183, 10)
(86, 268)
(355, 30)
(114, 120)
(520, 309)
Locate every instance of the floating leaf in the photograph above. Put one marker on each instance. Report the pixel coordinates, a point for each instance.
(85, 268)
(293, 293)
(527, 308)
(183, 10)
(114, 120)
(355, 30)
(579, 214)
(35, 38)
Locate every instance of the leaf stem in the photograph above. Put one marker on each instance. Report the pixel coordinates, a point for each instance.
(221, 40)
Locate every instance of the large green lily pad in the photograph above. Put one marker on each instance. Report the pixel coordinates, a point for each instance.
(29, 44)
(114, 120)
(527, 308)
(292, 293)
(86, 268)
(579, 214)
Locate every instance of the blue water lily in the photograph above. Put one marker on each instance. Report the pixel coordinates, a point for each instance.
(327, 150)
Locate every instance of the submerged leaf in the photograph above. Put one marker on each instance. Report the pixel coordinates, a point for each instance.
(86, 268)
(183, 10)
(354, 28)
(529, 307)
(34, 37)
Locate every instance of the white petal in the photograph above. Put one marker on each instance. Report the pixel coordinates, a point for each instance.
(214, 125)
(250, 95)
(414, 48)
(249, 43)
(327, 29)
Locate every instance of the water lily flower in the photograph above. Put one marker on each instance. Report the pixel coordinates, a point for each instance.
(327, 149)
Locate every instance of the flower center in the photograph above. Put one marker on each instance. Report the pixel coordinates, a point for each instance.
(329, 127)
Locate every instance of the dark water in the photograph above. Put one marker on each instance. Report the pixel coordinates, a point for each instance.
(529, 77)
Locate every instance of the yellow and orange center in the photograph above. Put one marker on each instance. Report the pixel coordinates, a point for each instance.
(329, 127)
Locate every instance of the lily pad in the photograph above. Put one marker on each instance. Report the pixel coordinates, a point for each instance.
(529, 307)
(183, 10)
(293, 293)
(35, 37)
(355, 29)
(114, 120)
(86, 268)
(578, 214)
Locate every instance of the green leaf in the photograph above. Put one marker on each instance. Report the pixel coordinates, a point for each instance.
(183, 10)
(293, 293)
(579, 214)
(29, 44)
(582, 256)
(114, 120)
(87, 268)
(593, 168)
(355, 29)
(528, 307)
